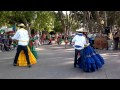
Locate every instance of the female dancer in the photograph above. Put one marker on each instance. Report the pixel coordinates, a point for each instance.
(33, 56)
(32, 47)
(92, 60)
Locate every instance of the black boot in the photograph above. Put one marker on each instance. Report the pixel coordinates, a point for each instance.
(29, 65)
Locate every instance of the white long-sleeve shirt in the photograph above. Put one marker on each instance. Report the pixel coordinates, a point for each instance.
(22, 36)
(79, 41)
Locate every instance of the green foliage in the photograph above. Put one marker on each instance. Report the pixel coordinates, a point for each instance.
(44, 21)
(49, 20)
(3, 17)
(57, 24)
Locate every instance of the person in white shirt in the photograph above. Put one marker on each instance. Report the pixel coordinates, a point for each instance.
(22, 37)
(79, 42)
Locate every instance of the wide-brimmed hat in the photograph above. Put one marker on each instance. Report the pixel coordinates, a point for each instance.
(21, 24)
(81, 30)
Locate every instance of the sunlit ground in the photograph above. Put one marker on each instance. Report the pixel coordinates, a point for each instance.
(38, 49)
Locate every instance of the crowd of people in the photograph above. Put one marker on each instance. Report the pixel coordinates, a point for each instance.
(49, 39)
(102, 41)
(6, 42)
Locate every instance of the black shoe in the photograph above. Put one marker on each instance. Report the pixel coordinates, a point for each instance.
(75, 66)
(29, 66)
(15, 64)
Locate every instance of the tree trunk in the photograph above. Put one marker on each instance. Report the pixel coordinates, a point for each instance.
(105, 13)
(89, 21)
(62, 21)
(84, 20)
(28, 28)
(98, 21)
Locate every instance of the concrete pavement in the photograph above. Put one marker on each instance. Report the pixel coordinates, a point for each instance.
(55, 62)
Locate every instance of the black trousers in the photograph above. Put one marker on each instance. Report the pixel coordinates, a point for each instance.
(19, 49)
(76, 60)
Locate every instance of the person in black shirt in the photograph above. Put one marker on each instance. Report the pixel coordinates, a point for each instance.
(116, 40)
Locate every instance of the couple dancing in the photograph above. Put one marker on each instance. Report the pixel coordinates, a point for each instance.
(89, 60)
(26, 54)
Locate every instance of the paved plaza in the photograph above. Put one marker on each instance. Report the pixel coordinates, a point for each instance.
(56, 62)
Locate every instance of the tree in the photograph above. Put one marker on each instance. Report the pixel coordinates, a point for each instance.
(44, 21)
(57, 23)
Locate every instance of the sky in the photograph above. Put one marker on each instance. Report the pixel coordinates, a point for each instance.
(64, 12)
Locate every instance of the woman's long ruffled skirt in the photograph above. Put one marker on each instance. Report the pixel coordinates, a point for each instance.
(22, 58)
(92, 60)
(34, 52)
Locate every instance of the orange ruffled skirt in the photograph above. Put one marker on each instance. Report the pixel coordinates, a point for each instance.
(22, 58)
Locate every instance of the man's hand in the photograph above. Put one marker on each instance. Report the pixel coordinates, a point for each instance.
(86, 44)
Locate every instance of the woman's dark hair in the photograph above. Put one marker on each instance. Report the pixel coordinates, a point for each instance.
(21, 26)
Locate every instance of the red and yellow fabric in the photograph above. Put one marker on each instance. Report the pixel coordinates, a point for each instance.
(22, 58)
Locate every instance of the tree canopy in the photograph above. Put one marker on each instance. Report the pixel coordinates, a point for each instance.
(61, 21)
